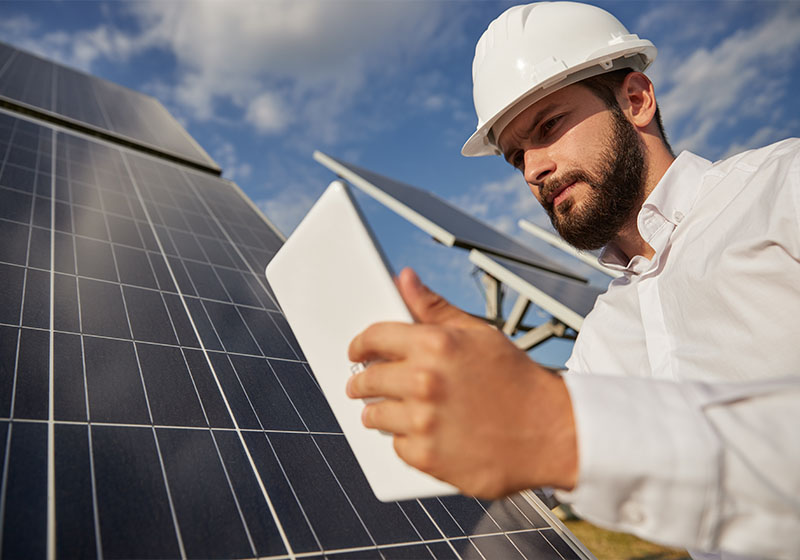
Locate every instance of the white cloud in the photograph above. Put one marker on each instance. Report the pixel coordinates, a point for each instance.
(287, 208)
(318, 54)
(711, 89)
(267, 113)
(18, 25)
(249, 60)
(227, 158)
(502, 203)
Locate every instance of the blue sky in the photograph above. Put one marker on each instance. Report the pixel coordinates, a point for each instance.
(387, 85)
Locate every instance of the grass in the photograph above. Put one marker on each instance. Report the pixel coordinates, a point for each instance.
(606, 545)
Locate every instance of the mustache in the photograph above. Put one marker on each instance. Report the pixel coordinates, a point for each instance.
(551, 186)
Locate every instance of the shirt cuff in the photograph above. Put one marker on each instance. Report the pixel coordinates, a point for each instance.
(648, 459)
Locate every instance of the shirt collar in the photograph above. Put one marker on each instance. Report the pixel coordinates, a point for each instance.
(669, 202)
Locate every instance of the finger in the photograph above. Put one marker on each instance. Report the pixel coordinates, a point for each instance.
(426, 306)
(417, 452)
(382, 341)
(383, 379)
(388, 416)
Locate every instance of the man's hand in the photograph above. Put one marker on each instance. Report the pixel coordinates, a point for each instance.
(464, 404)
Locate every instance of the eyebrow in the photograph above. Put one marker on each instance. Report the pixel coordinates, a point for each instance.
(537, 118)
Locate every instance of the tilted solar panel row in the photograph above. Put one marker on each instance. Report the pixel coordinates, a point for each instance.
(54, 91)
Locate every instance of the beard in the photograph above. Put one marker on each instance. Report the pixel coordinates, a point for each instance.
(615, 194)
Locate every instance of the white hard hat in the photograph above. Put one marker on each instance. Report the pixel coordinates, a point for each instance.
(530, 51)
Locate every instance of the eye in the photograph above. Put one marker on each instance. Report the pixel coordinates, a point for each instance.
(549, 125)
(517, 159)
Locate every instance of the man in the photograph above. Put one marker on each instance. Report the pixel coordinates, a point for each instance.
(685, 431)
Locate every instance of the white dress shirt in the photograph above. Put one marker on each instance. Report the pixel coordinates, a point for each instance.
(689, 424)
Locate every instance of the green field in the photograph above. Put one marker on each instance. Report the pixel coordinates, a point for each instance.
(606, 545)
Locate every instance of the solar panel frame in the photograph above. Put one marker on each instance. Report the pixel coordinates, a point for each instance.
(565, 299)
(440, 219)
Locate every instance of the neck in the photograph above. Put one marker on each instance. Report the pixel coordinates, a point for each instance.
(629, 240)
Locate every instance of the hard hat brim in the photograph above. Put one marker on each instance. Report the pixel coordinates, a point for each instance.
(482, 142)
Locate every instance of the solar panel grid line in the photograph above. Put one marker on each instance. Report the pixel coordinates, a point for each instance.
(260, 482)
(90, 439)
(159, 426)
(435, 524)
(8, 62)
(51, 452)
(154, 343)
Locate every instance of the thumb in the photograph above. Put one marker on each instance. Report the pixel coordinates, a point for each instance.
(426, 306)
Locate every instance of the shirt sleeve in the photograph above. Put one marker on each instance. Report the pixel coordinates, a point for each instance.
(708, 466)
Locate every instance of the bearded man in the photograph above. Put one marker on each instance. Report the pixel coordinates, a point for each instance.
(676, 416)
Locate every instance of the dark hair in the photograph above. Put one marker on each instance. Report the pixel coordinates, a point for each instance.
(606, 86)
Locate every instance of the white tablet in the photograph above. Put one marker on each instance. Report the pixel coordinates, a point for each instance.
(332, 281)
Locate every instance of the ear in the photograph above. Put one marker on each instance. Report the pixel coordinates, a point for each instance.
(637, 98)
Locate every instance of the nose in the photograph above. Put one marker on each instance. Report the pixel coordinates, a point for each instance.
(538, 165)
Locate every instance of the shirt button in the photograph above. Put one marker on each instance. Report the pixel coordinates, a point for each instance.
(632, 513)
(678, 216)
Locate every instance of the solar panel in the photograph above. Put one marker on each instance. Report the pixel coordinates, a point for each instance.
(565, 299)
(555, 241)
(164, 389)
(153, 400)
(440, 219)
(67, 96)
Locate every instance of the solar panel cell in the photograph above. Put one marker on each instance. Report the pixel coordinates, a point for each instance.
(95, 259)
(25, 499)
(8, 360)
(497, 547)
(11, 283)
(69, 389)
(328, 509)
(134, 267)
(65, 303)
(30, 381)
(262, 528)
(196, 478)
(36, 307)
(266, 333)
(306, 396)
(75, 532)
(266, 395)
(148, 316)
(293, 518)
(113, 382)
(132, 499)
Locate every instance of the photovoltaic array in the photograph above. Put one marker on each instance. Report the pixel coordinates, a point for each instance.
(153, 401)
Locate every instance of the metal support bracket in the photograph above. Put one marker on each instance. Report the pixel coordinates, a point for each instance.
(543, 332)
